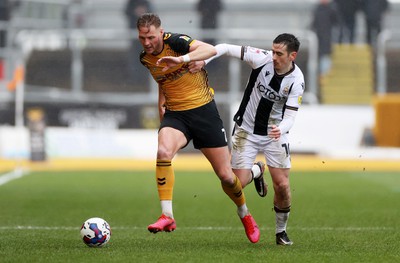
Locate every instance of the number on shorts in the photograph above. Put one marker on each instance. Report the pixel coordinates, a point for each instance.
(287, 149)
(223, 131)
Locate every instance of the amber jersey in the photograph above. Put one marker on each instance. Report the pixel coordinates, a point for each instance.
(183, 90)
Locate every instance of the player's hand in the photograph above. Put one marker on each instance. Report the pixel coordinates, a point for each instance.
(169, 62)
(196, 66)
(274, 132)
(161, 112)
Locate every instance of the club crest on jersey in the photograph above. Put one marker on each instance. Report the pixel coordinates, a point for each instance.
(285, 90)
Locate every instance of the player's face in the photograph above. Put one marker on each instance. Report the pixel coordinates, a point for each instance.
(151, 39)
(282, 58)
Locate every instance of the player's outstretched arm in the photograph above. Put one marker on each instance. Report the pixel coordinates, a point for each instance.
(199, 51)
(226, 49)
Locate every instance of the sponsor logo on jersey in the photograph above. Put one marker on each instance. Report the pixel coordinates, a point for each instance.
(186, 38)
(174, 75)
(268, 93)
(300, 99)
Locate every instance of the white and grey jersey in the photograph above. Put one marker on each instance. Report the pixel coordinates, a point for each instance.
(267, 94)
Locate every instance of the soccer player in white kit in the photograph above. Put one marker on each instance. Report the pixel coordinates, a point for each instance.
(267, 112)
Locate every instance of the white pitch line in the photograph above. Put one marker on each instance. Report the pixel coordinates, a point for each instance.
(15, 174)
(206, 228)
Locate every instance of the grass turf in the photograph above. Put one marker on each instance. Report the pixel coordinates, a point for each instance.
(336, 217)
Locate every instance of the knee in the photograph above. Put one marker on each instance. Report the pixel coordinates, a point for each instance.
(164, 153)
(226, 176)
(283, 190)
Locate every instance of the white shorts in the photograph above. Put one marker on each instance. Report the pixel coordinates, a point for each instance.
(246, 146)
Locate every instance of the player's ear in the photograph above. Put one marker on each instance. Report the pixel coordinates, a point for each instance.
(161, 31)
(293, 55)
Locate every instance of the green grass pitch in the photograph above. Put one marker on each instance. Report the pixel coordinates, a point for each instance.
(336, 217)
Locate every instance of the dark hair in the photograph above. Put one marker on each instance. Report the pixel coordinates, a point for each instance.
(290, 41)
(147, 20)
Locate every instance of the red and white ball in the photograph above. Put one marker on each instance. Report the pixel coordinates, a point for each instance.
(95, 232)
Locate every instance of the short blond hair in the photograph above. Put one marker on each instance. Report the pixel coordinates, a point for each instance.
(147, 20)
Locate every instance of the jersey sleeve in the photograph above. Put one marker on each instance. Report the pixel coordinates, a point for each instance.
(226, 49)
(296, 95)
(292, 105)
(179, 43)
(255, 57)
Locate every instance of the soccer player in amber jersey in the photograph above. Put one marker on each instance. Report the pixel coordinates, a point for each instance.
(187, 112)
(267, 112)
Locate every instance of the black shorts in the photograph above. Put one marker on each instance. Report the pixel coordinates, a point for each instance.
(203, 125)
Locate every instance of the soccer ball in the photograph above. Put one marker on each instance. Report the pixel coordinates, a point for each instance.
(95, 232)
